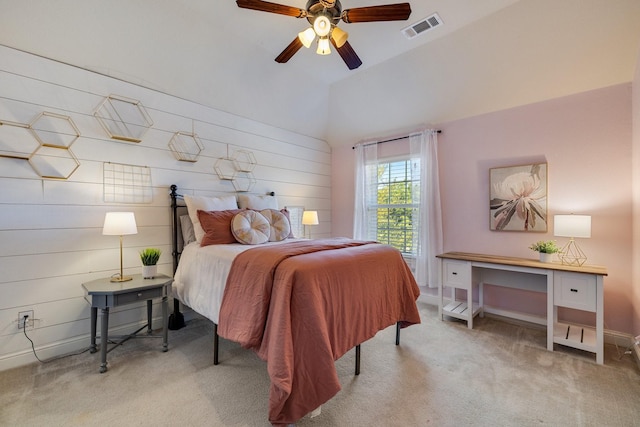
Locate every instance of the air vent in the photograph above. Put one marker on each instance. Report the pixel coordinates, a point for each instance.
(424, 25)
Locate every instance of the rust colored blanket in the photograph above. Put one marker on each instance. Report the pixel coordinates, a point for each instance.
(302, 305)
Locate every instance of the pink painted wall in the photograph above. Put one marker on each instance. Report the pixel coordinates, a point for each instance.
(586, 139)
(636, 199)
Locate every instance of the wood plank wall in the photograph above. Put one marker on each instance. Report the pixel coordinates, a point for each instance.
(51, 230)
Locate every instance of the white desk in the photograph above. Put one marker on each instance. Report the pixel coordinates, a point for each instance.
(579, 288)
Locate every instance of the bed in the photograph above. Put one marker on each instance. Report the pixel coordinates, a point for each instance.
(299, 304)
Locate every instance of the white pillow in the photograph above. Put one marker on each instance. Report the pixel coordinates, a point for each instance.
(249, 201)
(195, 203)
(188, 235)
(280, 226)
(250, 228)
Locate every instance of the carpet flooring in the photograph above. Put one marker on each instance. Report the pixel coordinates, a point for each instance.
(442, 374)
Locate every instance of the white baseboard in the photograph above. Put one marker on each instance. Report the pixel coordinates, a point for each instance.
(619, 339)
(64, 347)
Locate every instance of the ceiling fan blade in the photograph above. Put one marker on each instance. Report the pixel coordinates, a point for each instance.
(388, 12)
(348, 55)
(265, 6)
(289, 51)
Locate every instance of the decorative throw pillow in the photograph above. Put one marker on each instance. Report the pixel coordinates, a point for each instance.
(280, 228)
(250, 228)
(217, 226)
(195, 203)
(258, 203)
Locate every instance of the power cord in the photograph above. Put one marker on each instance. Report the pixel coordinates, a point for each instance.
(24, 330)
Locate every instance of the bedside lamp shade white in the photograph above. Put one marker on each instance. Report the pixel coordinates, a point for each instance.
(572, 226)
(310, 218)
(119, 224)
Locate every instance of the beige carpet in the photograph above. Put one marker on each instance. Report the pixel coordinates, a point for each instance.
(442, 374)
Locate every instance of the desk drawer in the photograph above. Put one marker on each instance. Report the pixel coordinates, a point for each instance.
(130, 297)
(456, 274)
(574, 290)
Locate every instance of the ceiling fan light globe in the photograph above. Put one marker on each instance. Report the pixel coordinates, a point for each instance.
(323, 46)
(339, 36)
(322, 26)
(307, 37)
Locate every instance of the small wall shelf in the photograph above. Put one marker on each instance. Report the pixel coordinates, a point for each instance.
(186, 146)
(54, 162)
(123, 118)
(54, 130)
(244, 161)
(243, 182)
(16, 142)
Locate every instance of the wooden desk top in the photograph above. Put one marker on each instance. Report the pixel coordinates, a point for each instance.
(523, 262)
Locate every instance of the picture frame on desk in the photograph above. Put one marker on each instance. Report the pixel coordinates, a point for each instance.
(518, 198)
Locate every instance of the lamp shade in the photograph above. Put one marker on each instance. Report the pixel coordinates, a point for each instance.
(307, 37)
(572, 226)
(310, 218)
(323, 46)
(119, 224)
(339, 36)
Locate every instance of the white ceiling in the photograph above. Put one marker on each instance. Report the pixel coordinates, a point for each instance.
(214, 53)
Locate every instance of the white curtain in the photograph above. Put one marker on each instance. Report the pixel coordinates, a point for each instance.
(427, 223)
(427, 228)
(364, 223)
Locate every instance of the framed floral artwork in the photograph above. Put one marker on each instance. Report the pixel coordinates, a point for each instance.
(518, 198)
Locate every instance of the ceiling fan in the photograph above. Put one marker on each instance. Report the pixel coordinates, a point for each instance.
(324, 16)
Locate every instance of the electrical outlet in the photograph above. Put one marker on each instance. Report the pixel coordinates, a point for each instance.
(21, 319)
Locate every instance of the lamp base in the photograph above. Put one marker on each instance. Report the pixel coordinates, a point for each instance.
(571, 254)
(121, 279)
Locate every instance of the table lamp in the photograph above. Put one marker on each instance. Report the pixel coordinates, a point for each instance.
(572, 226)
(119, 224)
(309, 218)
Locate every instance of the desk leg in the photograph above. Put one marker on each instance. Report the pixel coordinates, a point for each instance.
(552, 312)
(104, 338)
(149, 315)
(599, 320)
(165, 323)
(94, 321)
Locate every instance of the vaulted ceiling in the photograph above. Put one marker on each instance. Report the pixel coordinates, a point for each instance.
(487, 55)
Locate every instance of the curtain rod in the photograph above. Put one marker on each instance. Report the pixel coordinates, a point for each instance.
(390, 140)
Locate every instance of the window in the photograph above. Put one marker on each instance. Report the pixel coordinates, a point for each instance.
(394, 208)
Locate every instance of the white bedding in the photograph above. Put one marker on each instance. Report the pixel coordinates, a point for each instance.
(202, 273)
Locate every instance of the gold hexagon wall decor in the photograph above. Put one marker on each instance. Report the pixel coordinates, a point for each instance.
(124, 119)
(225, 169)
(244, 161)
(186, 146)
(243, 182)
(54, 162)
(16, 141)
(54, 130)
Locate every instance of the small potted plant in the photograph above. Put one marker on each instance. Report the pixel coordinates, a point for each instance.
(149, 258)
(546, 248)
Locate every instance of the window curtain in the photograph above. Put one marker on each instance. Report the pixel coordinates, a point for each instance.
(427, 227)
(365, 222)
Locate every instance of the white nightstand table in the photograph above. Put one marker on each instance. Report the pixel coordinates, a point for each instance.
(103, 294)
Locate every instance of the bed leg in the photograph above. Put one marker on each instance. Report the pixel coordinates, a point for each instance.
(215, 344)
(398, 333)
(176, 320)
(358, 359)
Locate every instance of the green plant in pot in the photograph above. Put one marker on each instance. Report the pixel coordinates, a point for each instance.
(149, 258)
(546, 248)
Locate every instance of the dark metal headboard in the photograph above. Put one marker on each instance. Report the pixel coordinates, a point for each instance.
(177, 203)
(179, 208)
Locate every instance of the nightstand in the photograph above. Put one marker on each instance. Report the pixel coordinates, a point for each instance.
(103, 294)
